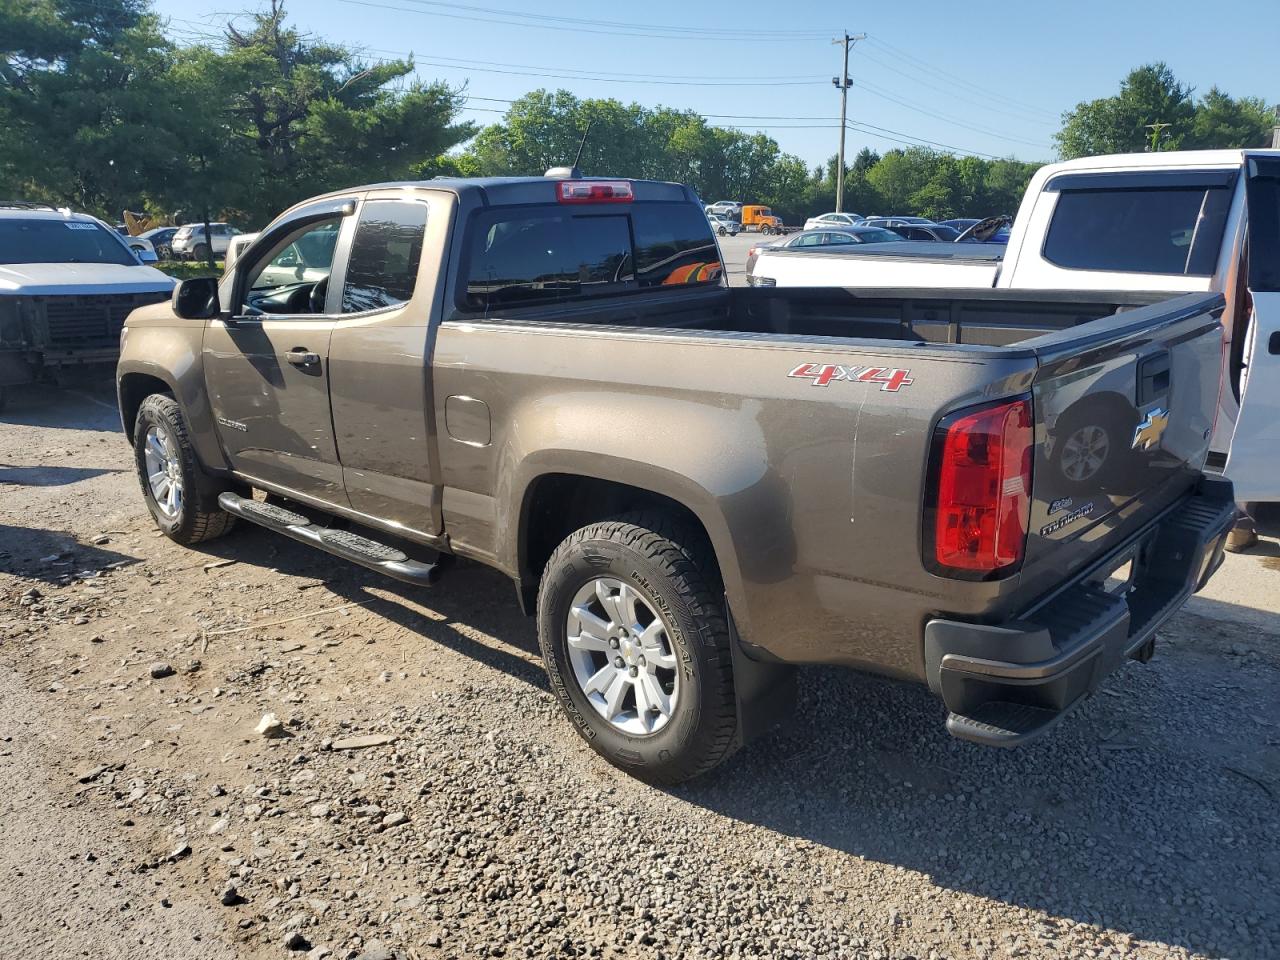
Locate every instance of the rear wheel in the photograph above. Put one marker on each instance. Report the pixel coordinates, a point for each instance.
(722, 231)
(201, 251)
(182, 498)
(633, 634)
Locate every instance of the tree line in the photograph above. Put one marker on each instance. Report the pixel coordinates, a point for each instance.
(103, 111)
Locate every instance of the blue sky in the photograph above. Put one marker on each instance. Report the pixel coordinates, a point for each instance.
(980, 77)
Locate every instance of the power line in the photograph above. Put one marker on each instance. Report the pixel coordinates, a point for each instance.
(877, 91)
(701, 38)
(613, 73)
(887, 133)
(716, 32)
(603, 79)
(1024, 116)
(956, 78)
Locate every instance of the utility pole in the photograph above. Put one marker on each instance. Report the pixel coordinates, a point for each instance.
(843, 83)
(1156, 129)
(1275, 130)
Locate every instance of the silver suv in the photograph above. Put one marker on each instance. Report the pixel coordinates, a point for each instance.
(191, 243)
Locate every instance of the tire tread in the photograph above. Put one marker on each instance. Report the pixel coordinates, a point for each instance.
(690, 564)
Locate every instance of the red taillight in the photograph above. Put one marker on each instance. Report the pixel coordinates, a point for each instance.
(982, 478)
(594, 191)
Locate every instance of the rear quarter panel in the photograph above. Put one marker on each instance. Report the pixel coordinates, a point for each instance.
(811, 494)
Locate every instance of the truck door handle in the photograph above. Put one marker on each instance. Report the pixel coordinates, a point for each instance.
(302, 357)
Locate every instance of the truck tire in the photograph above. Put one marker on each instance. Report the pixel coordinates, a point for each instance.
(182, 498)
(632, 627)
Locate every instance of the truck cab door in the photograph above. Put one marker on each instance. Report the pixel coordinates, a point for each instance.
(1253, 463)
(266, 360)
(391, 289)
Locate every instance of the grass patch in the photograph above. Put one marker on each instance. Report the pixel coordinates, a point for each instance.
(186, 269)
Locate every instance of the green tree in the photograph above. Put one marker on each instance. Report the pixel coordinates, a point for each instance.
(78, 87)
(1152, 94)
(1221, 121)
(322, 118)
(1149, 94)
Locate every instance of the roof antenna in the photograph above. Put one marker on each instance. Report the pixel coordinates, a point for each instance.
(572, 173)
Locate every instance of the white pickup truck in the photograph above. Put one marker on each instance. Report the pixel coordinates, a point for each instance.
(1179, 221)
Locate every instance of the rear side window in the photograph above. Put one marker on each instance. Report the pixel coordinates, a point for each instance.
(1175, 230)
(673, 246)
(524, 256)
(1264, 224)
(385, 252)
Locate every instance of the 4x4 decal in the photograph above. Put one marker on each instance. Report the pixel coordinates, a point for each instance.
(891, 379)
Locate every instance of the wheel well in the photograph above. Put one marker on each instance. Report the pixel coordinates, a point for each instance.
(557, 504)
(134, 388)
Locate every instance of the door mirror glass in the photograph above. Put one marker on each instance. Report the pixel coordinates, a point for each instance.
(196, 298)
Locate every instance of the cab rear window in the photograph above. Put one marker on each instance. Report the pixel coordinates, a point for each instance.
(522, 256)
(1172, 230)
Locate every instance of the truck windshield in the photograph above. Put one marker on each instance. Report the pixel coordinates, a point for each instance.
(60, 241)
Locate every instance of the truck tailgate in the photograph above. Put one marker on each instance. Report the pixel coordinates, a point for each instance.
(1124, 407)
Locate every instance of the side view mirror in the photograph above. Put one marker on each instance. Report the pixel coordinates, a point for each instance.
(147, 256)
(196, 298)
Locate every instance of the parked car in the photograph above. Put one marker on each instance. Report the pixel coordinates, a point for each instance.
(676, 583)
(237, 246)
(725, 208)
(831, 237)
(190, 242)
(1175, 221)
(161, 239)
(139, 245)
(929, 232)
(891, 222)
(966, 225)
(833, 220)
(67, 282)
(723, 226)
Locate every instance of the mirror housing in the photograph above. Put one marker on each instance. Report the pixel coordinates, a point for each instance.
(196, 298)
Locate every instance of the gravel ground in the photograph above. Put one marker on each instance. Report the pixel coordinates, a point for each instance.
(467, 820)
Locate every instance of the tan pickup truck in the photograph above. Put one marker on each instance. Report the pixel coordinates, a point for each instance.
(695, 488)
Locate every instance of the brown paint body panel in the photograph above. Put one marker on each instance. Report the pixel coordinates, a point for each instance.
(811, 486)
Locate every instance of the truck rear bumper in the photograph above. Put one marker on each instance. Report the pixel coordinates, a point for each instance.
(1005, 684)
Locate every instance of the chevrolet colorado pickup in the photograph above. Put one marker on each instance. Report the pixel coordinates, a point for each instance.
(1181, 221)
(694, 488)
(67, 282)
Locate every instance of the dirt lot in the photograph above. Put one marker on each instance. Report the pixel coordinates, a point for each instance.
(144, 816)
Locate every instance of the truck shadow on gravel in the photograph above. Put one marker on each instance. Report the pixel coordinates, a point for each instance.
(472, 611)
(52, 555)
(1150, 812)
(1146, 812)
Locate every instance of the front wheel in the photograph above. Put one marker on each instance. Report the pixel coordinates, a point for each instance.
(182, 498)
(634, 637)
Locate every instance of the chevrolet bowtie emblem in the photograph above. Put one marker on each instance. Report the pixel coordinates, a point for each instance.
(1149, 431)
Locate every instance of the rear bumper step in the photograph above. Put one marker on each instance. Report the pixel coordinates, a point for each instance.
(1054, 656)
(341, 543)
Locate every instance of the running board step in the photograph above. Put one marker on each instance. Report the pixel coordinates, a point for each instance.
(340, 543)
(1001, 724)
